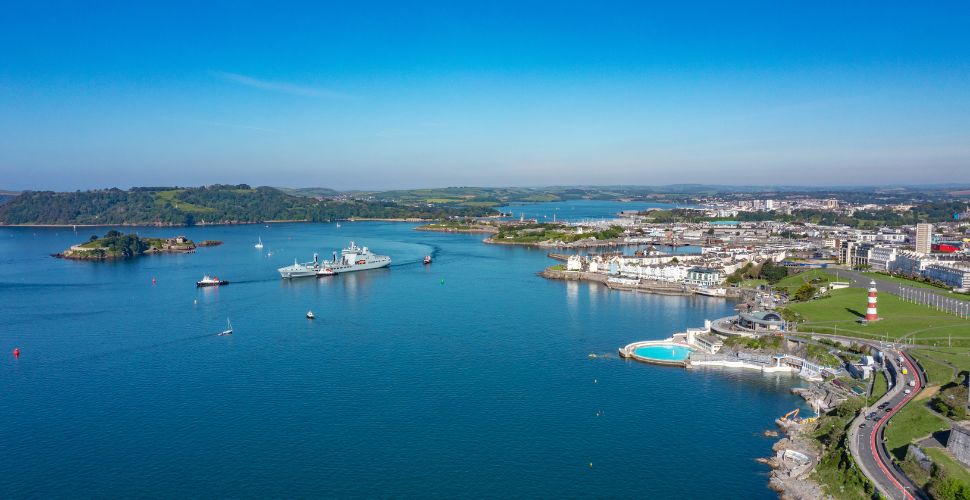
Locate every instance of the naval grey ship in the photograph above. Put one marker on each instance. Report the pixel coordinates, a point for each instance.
(352, 258)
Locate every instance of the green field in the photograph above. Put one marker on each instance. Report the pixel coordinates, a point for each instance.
(914, 421)
(753, 283)
(956, 356)
(800, 278)
(957, 296)
(879, 386)
(900, 318)
(903, 281)
(936, 373)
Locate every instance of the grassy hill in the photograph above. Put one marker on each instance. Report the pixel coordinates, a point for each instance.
(211, 204)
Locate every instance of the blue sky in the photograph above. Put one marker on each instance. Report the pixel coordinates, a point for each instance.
(357, 95)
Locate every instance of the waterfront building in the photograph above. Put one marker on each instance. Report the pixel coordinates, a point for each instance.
(574, 263)
(924, 238)
(910, 262)
(955, 274)
(704, 276)
(761, 321)
(883, 258)
(856, 253)
(710, 343)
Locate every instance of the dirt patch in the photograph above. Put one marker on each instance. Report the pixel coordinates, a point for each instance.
(927, 393)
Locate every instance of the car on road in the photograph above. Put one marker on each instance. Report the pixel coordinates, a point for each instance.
(862, 425)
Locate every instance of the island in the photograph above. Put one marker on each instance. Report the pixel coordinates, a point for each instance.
(115, 245)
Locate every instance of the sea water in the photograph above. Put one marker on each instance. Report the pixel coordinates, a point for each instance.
(468, 378)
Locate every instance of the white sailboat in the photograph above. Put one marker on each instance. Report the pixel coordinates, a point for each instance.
(338, 224)
(229, 331)
(260, 244)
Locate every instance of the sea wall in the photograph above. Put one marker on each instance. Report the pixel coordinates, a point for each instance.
(555, 274)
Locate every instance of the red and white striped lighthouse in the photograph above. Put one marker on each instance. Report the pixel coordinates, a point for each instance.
(871, 309)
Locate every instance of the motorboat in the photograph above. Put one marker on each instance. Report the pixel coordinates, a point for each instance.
(326, 271)
(210, 281)
(427, 259)
(309, 315)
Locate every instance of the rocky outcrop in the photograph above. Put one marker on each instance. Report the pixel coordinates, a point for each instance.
(793, 461)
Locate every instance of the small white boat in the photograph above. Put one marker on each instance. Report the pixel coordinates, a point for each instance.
(260, 244)
(338, 224)
(309, 315)
(229, 331)
(326, 272)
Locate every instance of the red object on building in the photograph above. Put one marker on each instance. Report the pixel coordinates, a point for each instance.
(871, 309)
(944, 247)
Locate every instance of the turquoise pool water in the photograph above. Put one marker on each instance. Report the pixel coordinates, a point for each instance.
(664, 352)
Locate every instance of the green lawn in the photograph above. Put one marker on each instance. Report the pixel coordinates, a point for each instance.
(936, 373)
(799, 279)
(753, 283)
(914, 421)
(902, 280)
(956, 356)
(957, 296)
(879, 386)
(899, 318)
(953, 468)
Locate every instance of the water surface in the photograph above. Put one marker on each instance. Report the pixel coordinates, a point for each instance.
(469, 378)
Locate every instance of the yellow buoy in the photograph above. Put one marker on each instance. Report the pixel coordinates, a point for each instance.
(591, 464)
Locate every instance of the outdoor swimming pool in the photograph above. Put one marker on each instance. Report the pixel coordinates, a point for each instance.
(664, 352)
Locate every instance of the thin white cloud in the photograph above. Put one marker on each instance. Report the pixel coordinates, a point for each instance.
(289, 88)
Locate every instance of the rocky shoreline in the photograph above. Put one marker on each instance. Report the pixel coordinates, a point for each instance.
(795, 458)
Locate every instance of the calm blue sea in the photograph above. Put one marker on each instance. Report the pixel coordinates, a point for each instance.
(469, 378)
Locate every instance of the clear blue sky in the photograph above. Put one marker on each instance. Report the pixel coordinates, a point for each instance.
(363, 95)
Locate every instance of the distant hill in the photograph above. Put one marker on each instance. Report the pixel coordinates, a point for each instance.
(311, 192)
(210, 204)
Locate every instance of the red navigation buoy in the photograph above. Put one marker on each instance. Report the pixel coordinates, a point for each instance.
(16, 352)
(153, 280)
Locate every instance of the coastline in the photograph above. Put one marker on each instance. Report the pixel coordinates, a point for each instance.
(231, 223)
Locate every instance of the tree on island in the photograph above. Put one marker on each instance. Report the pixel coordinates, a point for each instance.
(94, 238)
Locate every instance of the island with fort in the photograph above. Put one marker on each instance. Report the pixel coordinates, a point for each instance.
(115, 245)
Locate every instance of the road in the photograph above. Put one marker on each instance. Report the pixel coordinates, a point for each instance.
(867, 444)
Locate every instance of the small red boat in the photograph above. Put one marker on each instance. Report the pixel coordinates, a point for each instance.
(427, 259)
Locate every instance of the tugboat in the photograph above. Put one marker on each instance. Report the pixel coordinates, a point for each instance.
(309, 315)
(229, 331)
(427, 259)
(207, 281)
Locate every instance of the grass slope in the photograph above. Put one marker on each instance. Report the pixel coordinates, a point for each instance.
(914, 421)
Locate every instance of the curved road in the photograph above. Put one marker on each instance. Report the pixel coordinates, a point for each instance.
(867, 437)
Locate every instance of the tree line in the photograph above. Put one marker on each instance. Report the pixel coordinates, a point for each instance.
(211, 204)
